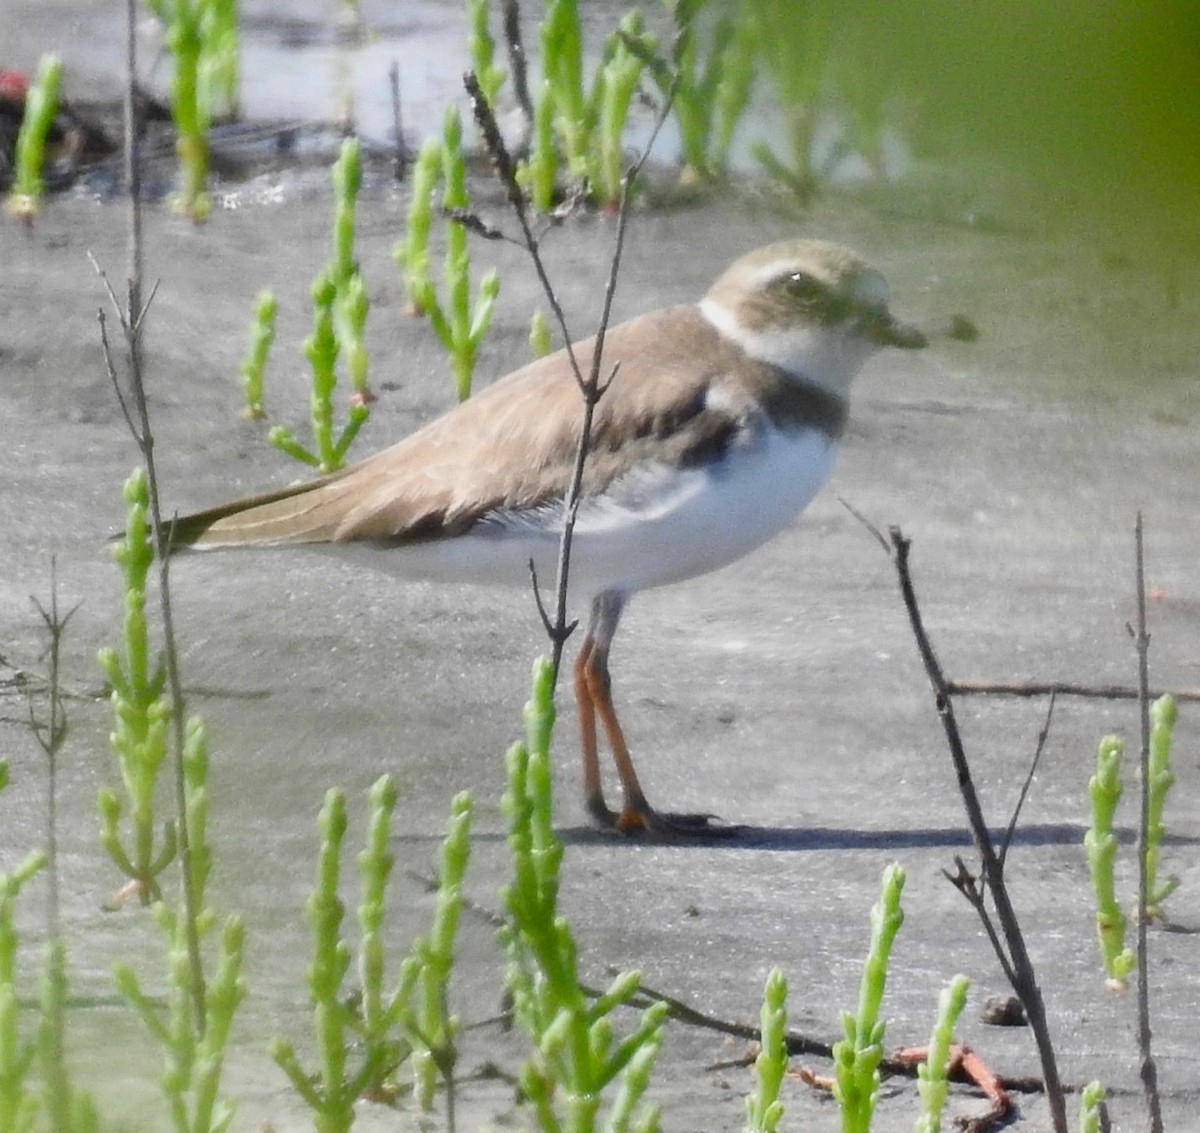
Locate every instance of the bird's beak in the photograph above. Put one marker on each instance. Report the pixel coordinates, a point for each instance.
(882, 328)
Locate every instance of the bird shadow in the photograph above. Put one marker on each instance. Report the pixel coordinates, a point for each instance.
(813, 838)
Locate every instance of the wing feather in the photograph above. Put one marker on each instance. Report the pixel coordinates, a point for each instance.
(512, 445)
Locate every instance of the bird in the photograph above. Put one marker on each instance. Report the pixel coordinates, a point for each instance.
(719, 424)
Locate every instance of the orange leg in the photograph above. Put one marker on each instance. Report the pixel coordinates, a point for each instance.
(593, 691)
(593, 789)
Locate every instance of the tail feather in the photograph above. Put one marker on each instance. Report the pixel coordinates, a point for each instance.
(299, 513)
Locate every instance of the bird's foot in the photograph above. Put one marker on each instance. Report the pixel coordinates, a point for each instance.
(638, 816)
(669, 827)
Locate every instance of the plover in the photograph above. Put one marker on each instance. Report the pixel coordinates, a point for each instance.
(720, 425)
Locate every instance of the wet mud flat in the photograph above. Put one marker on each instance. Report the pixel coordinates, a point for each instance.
(783, 692)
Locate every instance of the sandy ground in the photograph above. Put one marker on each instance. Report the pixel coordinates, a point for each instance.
(783, 692)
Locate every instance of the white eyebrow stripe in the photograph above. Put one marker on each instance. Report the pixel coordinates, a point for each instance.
(774, 270)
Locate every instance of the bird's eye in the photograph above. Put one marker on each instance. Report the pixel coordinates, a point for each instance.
(802, 286)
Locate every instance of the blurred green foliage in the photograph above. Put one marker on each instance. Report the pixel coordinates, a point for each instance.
(1104, 94)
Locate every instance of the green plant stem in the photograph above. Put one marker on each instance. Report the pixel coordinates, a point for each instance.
(412, 253)
(141, 713)
(466, 327)
(192, 116)
(346, 176)
(539, 174)
(329, 1093)
(18, 1105)
(340, 307)
(255, 364)
(483, 50)
(372, 1029)
(562, 64)
(1091, 1103)
(576, 1056)
(764, 1110)
(616, 80)
(698, 106)
(933, 1083)
(857, 1056)
(41, 105)
(733, 90)
(539, 335)
(1163, 714)
(459, 326)
(380, 1009)
(794, 44)
(1100, 842)
(710, 93)
(434, 1027)
(194, 1035)
(219, 72)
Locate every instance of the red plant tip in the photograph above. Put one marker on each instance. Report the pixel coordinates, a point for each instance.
(14, 86)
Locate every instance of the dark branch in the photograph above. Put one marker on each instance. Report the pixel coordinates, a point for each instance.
(1013, 953)
(518, 69)
(1059, 688)
(1149, 1068)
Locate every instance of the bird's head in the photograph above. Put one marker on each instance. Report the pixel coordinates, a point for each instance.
(812, 308)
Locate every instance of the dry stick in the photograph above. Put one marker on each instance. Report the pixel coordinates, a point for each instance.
(558, 629)
(50, 737)
(969, 886)
(518, 68)
(1059, 688)
(1016, 959)
(1141, 640)
(400, 157)
(591, 389)
(797, 1042)
(1043, 735)
(1025, 688)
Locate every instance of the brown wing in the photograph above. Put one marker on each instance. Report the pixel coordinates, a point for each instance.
(509, 446)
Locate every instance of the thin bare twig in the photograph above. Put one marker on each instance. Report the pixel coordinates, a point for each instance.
(797, 1042)
(1141, 639)
(506, 170)
(518, 68)
(473, 222)
(880, 537)
(1024, 688)
(1023, 977)
(400, 155)
(1043, 735)
(973, 891)
(50, 735)
(1060, 688)
(552, 631)
(591, 388)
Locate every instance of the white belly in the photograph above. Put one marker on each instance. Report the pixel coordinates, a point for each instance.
(657, 526)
